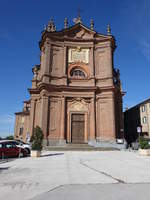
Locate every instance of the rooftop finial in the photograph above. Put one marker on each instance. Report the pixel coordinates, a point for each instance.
(92, 24)
(79, 11)
(78, 19)
(108, 29)
(51, 26)
(66, 23)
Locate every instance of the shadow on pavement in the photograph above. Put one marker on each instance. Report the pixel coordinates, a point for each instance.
(5, 160)
(52, 154)
(3, 168)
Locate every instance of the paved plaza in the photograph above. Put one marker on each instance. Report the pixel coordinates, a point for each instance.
(77, 175)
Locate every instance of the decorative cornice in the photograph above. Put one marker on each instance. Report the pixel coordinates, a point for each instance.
(62, 35)
(71, 39)
(58, 88)
(50, 87)
(23, 113)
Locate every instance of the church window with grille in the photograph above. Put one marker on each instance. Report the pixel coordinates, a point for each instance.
(77, 73)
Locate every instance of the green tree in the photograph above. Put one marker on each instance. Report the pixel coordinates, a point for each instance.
(37, 139)
(144, 144)
(9, 137)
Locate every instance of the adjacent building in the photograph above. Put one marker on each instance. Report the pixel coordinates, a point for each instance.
(137, 116)
(76, 94)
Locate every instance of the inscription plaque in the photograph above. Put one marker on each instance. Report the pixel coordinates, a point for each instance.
(78, 55)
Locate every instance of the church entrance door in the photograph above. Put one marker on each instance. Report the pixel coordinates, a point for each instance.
(77, 128)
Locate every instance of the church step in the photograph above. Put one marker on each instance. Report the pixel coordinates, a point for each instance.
(78, 147)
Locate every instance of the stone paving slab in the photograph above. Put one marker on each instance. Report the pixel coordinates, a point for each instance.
(128, 168)
(97, 192)
(26, 178)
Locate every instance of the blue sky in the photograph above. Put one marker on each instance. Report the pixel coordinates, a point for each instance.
(21, 23)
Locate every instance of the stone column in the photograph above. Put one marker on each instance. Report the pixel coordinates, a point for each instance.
(62, 130)
(44, 115)
(32, 116)
(92, 129)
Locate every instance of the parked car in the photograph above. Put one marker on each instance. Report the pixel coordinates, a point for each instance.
(9, 149)
(22, 144)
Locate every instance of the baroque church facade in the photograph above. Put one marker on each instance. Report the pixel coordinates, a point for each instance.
(76, 94)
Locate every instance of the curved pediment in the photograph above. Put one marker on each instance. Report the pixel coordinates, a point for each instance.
(82, 32)
(79, 31)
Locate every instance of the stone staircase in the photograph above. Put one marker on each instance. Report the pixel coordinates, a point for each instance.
(78, 147)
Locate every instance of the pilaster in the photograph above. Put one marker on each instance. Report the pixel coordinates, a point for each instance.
(32, 116)
(65, 61)
(62, 130)
(44, 115)
(112, 116)
(110, 59)
(92, 61)
(92, 129)
(46, 61)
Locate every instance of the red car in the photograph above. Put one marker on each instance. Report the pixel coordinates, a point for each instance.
(8, 149)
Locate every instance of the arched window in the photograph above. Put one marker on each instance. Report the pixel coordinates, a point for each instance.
(77, 73)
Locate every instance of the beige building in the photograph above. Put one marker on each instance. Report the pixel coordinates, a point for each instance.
(137, 116)
(76, 92)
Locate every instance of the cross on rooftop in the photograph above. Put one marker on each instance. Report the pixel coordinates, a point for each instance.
(79, 12)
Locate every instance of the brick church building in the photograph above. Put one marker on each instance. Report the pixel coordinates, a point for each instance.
(76, 94)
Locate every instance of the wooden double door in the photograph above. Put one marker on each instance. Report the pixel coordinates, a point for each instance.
(77, 128)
